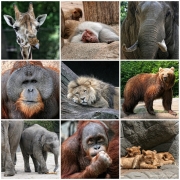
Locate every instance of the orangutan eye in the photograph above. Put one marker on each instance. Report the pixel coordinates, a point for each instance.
(84, 90)
(90, 141)
(100, 140)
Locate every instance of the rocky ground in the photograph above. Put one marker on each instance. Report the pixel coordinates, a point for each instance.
(141, 112)
(33, 175)
(165, 172)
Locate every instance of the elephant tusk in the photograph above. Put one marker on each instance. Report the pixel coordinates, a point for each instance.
(130, 49)
(162, 46)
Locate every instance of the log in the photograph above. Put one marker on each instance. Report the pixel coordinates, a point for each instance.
(101, 11)
(71, 110)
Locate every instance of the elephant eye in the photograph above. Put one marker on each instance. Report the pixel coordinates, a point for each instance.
(137, 11)
(168, 13)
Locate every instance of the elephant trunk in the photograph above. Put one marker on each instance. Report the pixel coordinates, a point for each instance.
(150, 39)
(56, 155)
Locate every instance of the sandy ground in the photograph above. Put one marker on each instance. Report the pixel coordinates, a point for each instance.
(33, 175)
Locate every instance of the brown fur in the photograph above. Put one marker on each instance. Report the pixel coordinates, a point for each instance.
(73, 14)
(96, 93)
(33, 41)
(148, 87)
(147, 160)
(28, 110)
(70, 26)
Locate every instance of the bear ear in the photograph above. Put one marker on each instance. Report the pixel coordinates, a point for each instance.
(172, 68)
(160, 68)
(155, 151)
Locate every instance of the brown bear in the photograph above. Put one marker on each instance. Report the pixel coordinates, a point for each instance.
(148, 87)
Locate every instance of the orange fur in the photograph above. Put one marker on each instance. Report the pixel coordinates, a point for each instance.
(133, 151)
(29, 110)
(19, 64)
(165, 158)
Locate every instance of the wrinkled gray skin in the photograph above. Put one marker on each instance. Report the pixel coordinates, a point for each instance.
(147, 24)
(10, 137)
(36, 141)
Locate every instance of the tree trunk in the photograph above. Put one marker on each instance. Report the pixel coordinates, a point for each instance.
(106, 12)
(71, 110)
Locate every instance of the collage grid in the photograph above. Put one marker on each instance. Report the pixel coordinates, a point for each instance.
(71, 96)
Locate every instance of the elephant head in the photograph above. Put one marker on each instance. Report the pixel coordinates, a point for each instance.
(51, 144)
(150, 30)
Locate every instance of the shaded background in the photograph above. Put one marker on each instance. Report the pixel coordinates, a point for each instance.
(48, 34)
(107, 71)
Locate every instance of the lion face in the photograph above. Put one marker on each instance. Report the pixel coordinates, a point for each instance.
(150, 157)
(133, 151)
(83, 95)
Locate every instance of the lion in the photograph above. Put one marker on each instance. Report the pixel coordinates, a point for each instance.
(165, 158)
(133, 151)
(146, 160)
(89, 91)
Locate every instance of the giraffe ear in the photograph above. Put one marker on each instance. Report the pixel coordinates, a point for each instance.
(9, 20)
(41, 18)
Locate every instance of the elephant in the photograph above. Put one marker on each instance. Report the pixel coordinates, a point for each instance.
(36, 141)
(10, 136)
(151, 30)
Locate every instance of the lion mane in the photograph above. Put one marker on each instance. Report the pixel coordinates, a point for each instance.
(90, 91)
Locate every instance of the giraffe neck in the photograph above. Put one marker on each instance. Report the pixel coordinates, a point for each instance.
(26, 52)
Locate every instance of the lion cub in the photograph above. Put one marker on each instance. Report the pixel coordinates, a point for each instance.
(146, 160)
(133, 151)
(165, 158)
(90, 91)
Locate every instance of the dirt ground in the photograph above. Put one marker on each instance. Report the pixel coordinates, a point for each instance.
(33, 175)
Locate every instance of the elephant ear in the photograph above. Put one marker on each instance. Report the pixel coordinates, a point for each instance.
(43, 139)
(175, 5)
(132, 5)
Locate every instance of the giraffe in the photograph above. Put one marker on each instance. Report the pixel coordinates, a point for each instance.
(26, 27)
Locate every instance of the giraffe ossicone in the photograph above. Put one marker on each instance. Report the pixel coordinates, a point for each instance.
(26, 27)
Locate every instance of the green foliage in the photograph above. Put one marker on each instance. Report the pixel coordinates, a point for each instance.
(49, 125)
(132, 68)
(48, 34)
(124, 6)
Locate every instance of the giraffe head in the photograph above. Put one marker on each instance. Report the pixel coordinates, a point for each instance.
(26, 26)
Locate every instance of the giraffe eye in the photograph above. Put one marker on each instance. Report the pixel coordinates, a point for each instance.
(16, 28)
(37, 28)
